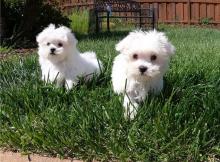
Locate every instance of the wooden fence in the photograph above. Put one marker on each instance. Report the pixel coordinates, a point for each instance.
(168, 11)
(186, 11)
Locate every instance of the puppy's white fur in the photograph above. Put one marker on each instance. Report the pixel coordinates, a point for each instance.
(150, 51)
(65, 63)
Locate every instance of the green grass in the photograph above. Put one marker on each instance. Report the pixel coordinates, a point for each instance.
(4, 50)
(181, 124)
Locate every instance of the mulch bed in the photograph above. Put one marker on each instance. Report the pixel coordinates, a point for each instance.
(19, 52)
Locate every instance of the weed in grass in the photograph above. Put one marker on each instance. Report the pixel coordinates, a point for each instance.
(181, 124)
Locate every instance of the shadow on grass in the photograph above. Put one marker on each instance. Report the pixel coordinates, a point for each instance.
(112, 34)
(96, 36)
(116, 34)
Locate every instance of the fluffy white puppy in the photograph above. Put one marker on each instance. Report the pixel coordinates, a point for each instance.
(60, 60)
(140, 67)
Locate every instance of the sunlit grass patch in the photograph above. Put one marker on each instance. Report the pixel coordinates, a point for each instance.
(180, 124)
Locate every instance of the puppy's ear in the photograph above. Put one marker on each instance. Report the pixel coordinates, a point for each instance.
(168, 48)
(69, 37)
(124, 44)
(41, 36)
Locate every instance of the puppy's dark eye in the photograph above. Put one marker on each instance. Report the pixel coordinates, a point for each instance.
(48, 43)
(60, 44)
(135, 56)
(153, 57)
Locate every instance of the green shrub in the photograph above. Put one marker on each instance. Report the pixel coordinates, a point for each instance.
(79, 21)
(24, 19)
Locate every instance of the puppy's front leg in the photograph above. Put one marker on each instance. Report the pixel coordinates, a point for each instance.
(157, 86)
(130, 106)
(69, 84)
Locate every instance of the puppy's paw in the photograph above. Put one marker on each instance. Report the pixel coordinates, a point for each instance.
(69, 84)
(130, 108)
(131, 111)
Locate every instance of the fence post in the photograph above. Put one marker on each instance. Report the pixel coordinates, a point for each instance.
(189, 12)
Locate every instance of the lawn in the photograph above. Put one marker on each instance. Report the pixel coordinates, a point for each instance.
(181, 124)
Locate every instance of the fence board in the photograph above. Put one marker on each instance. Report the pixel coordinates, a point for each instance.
(210, 11)
(217, 13)
(195, 12)
(185, 6)
(170, 11)
(179, 12)
(203, 10)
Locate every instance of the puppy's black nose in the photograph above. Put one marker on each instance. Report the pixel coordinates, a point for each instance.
(52, 50)
(142, 69)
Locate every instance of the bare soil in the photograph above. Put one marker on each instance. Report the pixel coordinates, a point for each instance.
(20, 52)
(9, 156)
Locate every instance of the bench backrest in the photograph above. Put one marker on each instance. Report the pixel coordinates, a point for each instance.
(117, 5)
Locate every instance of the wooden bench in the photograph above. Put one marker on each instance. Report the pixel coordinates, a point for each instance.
(122, 6)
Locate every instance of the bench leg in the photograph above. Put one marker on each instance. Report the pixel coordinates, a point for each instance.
(140, 25)
(97, 22)
(108, 27)
(153, 18)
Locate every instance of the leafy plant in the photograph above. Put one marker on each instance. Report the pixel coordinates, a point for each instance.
(206, 20)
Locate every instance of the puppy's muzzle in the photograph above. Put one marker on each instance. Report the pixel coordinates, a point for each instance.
(142, 69)
(52, 50)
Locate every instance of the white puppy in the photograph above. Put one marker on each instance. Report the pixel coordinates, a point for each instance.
(60, 60)
(140, 67)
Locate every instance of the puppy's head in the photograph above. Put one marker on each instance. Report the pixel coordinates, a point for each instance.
(147, 53)
(56, 44)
